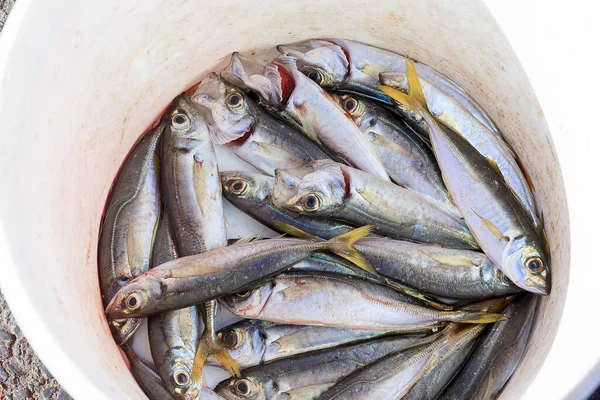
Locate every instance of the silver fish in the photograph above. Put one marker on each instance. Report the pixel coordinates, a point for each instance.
(127, 233)
(457, 274)
(254, 342)
(193, 200)
(497, 219)
(195, 279)
(495, 359)
(324, 188)
(407, 159)
(352, 66)
(311, 298)
(251, 193)
(320, 117)
(305, 376)
(149, 381)
(174, 334)
(253, 134)
(400, 374)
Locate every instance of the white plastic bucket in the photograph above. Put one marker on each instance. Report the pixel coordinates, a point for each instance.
(82, 80)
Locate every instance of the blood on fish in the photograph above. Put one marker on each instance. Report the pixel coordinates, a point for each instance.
(287, 83)
(241, 140)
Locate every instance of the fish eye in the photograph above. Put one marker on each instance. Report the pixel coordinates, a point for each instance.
(534, 264)
(238, 186)
(234, 100)
(242, 387)
(180, 120)
(350, 105)
(314, 75)
(311, 202)
(229, 338)
(134, 301)
(181, 378)
(244, 294)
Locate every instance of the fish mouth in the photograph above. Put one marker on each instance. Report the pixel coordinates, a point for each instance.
(540, 288)
(125, 330)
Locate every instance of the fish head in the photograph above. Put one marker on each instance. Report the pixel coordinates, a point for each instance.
(261, 77)
(247, 388)
(324, 62)
(249, 303)
(245, 343)
(250, 186)
(137, 298)
(526, 265)
(318, 188)
(494, 275)
(124, 328)
(231, 117)
(180, 361)
(356, 108)
(187, 126)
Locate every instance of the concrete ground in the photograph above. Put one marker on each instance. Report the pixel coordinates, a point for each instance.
(22, 374)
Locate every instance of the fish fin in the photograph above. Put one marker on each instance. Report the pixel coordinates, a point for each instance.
(206, 347)
(307, 128)
(415, 99)
(491, 227)
(494, 164)
(199, 182)
(417, 295)
(386, 144)
(308, 392)
(342, 245)
(453, 260)
(293, 231)
(282, 157)
(290, 342)
(247, 239)
(476, 317)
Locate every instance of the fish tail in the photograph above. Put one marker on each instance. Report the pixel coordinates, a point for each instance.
(293, 231)
(476, 317)
(207, 346)
(343, 246)
(415, 99)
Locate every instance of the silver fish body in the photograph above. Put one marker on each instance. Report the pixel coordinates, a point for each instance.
(496, 357)
(254, 342)
(406, 157)
(149, 381)
(174, 334)
(191, 181)
(254, 135)
(320, 117)
(127, 233)
(311, 298)
(349, 65)
(448, 273)
(327, 189)
(305, 376)
(400, 374)
(251, 193)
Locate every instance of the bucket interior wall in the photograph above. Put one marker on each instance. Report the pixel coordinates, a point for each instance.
(99, 81)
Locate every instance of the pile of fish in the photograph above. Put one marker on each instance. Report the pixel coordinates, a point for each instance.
(411, 253)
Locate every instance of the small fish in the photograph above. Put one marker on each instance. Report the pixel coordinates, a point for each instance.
(496, 358)
(448, 273)
(131, 218)
(193, 201)
(253, 134)
(355, 67)
(254, 342)
(405, 373)
(407, 159)
(327, 189)
(251, 193)
(497, 219)
(311, 298)
(149, 381)
(174, 334)
(305, 376)
(318, 115)
(195, 279)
